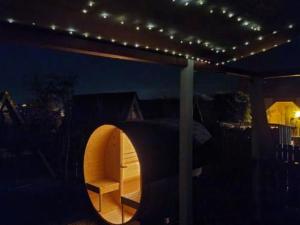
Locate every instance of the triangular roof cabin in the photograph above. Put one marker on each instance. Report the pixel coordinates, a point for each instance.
(9, 115)
(95, 109)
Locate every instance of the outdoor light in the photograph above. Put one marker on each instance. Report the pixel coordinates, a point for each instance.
(161, 30)
(91, 3)
(200, 2)
(246, 43)
(99, 37)
(291, 26)
(171, 37)
(71, 30)
(211, 11)
(246, 23)
(10, 20)
(86, 34)
(136, 45)
(137, 28)
(124, 43)
(53, 27)
(239, 19)
(104, 15)
(150, 26)
(84, 11)
(234, 48)
(122, 22)
(260, 38)
(230, 15)
(275, 32)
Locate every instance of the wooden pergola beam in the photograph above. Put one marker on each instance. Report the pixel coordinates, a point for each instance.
(44, 38)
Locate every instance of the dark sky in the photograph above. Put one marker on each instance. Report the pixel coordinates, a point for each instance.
(96, 74)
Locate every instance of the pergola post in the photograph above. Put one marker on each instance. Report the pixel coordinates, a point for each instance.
(186, 143)
(261, 134)
(262, 147)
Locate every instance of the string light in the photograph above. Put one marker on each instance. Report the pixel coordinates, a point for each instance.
(104, 15)
(91, 3)
(10, 20)
(260, 38)
(223, 10)
(151, 26)
(71, 30)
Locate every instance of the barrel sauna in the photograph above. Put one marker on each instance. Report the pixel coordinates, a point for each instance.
(130, 170)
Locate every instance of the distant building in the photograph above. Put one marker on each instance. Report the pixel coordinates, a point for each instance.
(92, 110)
(167, 108)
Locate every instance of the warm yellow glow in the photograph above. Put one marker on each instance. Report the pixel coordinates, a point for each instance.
(283, 113)
(111, 165)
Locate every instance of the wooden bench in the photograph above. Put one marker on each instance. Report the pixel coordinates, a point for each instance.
(102, 187)
(131, 200)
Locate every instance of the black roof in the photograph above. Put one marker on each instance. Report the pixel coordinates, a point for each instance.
(92, 109)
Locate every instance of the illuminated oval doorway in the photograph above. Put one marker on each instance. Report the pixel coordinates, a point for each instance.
(112, 174)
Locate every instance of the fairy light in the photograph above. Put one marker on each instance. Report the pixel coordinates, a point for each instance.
(84, 11)
(230, 15)
(260, 38)
(71, 31)
(137, 28)
(10, 20)
(91, 3)
(99, 37)
(53, 27)
(150, 26)
(104, 15)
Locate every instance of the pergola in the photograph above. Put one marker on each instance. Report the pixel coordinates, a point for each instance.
(195, 35)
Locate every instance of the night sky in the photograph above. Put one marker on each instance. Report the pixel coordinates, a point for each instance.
(96, 74)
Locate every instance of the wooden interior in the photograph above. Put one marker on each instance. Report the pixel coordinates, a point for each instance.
(111, 171)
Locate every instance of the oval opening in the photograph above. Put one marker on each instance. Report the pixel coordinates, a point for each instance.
(112, 174)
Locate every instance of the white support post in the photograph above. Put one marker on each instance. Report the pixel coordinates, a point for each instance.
(186, 144)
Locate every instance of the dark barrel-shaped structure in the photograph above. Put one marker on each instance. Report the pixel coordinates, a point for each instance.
(131, 169)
